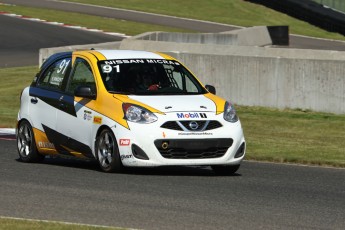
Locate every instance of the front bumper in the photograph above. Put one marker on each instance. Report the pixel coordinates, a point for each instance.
(151, 145)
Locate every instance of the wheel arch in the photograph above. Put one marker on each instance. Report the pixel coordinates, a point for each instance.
(20, 121)
(99, 130)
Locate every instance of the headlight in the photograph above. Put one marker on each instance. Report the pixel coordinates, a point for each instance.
(230, 113)
(138, 114)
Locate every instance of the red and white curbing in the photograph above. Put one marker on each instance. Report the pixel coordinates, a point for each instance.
(63, 24)
(7, 134)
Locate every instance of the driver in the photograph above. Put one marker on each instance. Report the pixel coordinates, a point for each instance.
(144, 82)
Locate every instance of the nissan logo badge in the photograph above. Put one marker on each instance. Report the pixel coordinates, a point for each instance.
(193, 125)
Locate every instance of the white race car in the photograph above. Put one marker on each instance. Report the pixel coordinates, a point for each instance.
(127, 108)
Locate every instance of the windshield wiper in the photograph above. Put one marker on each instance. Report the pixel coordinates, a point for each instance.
(120, 92)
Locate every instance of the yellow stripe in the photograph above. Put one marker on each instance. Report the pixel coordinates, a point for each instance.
(126, 99)
(74, 153)
(99, 55)
(166, 56)
(110, 107)
(219, 102)
(41, 137)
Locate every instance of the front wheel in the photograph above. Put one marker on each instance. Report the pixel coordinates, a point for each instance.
(107, 152)
(26, 145)
(225, 169)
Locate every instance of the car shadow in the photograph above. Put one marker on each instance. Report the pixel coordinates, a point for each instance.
(69, 163)
(89, 164)
(204, 171)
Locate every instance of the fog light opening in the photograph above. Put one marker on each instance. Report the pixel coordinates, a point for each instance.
(139, 153)
(241, 150)
(165, 145)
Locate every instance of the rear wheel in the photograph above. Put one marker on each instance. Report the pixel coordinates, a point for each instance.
(107, 152)
(26, 144)
(225, 169)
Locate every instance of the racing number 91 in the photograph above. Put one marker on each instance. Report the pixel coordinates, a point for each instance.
(63, 66)
(109, 68)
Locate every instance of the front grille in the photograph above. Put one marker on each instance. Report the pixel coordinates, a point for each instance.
(192, 148)
(203, 125)
(171, 125)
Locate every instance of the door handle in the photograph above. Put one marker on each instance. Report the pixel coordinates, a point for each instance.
(62, 106)
(34, 100)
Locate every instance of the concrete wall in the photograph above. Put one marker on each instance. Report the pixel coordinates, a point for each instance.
(250, 51)
(313, 84)
(252, 36)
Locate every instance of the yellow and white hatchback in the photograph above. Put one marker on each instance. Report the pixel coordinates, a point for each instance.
(127, 108)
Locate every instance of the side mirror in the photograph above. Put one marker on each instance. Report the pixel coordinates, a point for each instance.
(210, 89)
(84, 91)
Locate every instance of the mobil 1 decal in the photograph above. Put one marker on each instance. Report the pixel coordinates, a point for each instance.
(191, 115)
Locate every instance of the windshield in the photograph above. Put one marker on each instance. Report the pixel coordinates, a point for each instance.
(148, 77)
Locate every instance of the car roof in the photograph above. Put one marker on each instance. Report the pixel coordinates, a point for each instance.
(129, 54)
(54, 57)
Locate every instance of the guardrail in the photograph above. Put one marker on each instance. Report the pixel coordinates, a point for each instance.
(335, 4)
(309, 11)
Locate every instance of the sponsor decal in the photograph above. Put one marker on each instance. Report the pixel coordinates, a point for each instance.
(46, 145)
(57, 80)
(124, 61)
(97, 120)
(141, 61)
(110, 65)
(126, 157)
(195, 134)
(125, 142)
(162, 61)
(87, 115)
(191, 115)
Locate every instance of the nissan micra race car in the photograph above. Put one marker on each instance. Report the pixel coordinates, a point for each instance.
(127, 108)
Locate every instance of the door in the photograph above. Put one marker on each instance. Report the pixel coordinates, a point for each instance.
(45, 98)
(76, 119)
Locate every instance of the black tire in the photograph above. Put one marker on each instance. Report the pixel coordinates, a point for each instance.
(225, 169)
(107, 152)
(26, 144)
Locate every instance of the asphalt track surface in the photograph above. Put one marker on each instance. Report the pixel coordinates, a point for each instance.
(261, 195)
(20, 40)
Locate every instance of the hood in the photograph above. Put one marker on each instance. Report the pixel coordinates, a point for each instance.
(166, 104)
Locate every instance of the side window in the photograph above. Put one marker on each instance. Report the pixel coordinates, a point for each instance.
(53, 77)
(81, 76)
(180, 79)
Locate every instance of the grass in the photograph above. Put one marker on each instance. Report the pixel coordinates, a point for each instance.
(13, 81)
(21, 224)
(93, 22)
(294, 136)
(272, 135)
(234, 12)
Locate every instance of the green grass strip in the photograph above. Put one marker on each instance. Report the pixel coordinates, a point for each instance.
(13, 81)
(28, 224)
(234, 12)
(294, 136)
